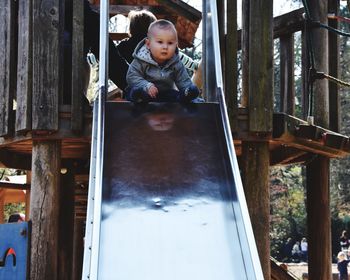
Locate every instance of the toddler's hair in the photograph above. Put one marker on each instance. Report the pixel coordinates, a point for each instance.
(162, 24)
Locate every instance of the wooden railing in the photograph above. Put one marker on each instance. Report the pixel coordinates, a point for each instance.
(35, 82)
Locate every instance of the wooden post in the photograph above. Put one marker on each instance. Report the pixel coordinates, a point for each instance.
(78, 247)
(25, 66)
(231, 64)
(46, 64)
(44, 210)
(2, 206)
(27, 208)
(317, 172)
(260, 66)
(287, 74)
(255, 168)
(319, 38)
(78, 66)
(245, 52)
(66, 223)
(255, 155)
(305, 66)
(318, 219)
(8, 64)
(334, 98)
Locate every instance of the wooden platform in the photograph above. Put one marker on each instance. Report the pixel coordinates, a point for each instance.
(291, 141)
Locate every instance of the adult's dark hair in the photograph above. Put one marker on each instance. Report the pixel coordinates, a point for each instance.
(139, 22)
(14, 218)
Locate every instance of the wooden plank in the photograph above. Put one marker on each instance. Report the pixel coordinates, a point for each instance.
(14, 186)
(8, 64)
(260, 66)
(285, 154)
(287, 88)
(289, 23)
(183, 9)
(44, 210)
(78, 66)
(297, 133)
(24, 67)
(334, 69)
(46, 51)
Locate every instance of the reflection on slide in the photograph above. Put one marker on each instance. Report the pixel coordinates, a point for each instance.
(168, 196)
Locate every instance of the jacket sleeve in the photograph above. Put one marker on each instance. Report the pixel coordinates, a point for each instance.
(182, 79)
(135, 76)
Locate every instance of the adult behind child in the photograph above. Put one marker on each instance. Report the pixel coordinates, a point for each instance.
(139, 22)
(157, 71)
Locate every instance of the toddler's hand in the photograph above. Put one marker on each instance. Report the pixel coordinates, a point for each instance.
(153, 91)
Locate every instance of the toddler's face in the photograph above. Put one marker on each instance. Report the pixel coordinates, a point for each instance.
(162, 43)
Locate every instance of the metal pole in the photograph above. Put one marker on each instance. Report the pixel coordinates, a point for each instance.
(91, 257)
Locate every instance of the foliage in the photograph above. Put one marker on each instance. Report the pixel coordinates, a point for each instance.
(12, 208)
(287, 208)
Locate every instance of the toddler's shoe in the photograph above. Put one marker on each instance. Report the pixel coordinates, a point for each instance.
(139, 96)
(190, 93)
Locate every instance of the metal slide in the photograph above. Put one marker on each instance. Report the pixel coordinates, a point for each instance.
(166, 199)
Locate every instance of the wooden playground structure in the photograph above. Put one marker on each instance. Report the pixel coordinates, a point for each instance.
(42, 133)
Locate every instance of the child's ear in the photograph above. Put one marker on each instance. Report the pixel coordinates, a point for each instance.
(147, 42)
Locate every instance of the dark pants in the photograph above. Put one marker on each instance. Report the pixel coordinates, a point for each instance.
(139, 95)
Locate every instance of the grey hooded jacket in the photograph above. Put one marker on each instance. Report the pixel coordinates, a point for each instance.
(144, 71)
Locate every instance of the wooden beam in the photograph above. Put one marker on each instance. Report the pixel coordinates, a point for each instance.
(285, 155)
(44, 210)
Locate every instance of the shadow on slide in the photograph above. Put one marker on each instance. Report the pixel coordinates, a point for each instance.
(169, 200)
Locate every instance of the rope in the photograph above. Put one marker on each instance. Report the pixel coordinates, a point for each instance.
(335, 80)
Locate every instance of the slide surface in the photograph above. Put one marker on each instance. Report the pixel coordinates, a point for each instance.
(169, 203)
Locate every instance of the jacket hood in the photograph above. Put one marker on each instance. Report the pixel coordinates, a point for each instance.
(143, 53)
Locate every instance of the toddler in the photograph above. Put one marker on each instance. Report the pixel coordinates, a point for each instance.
(156, 73)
